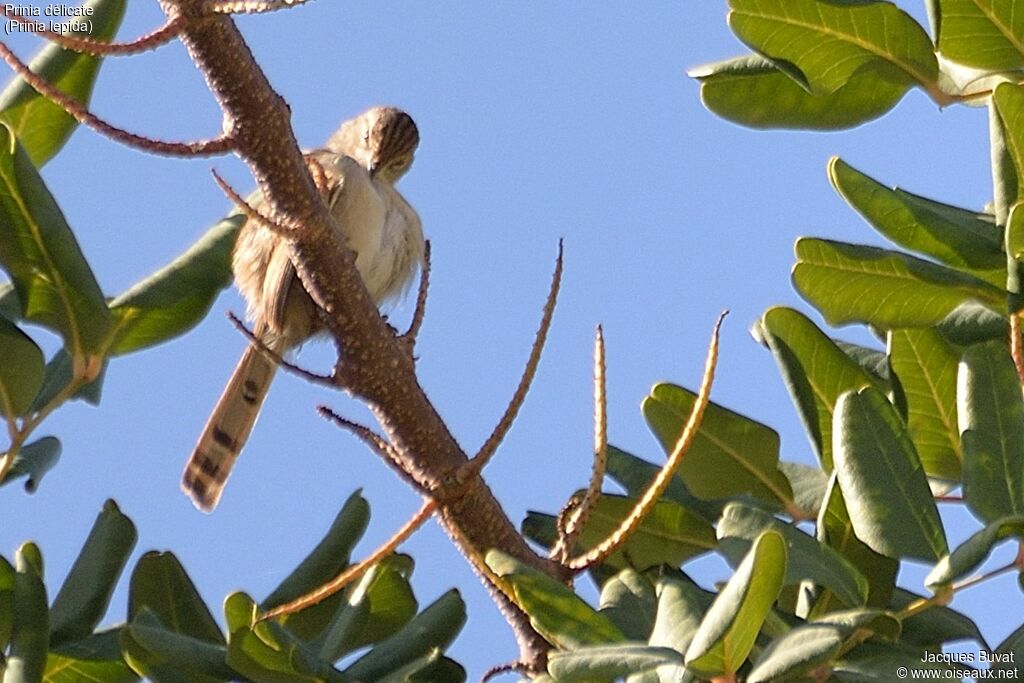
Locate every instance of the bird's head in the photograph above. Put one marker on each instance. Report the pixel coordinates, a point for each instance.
(382, 140)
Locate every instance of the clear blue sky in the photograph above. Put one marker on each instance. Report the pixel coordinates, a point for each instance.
(538, 121)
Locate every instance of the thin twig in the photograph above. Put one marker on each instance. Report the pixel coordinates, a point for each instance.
(90, 46)
(421, 298)
(477, 463)
(355, 571)
(579, 514)
(374, 441)
(1017, 345)
(500, 669)
(250, 6)
(653, 493)
(562, 548)
(248, 210)
(313, 377)
(949, 499)
(991, 574)
(198, 148)
(316, 170)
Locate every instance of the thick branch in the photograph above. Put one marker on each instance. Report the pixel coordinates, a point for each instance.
(374, 364)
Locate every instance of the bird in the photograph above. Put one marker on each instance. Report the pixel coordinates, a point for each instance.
(361, 163)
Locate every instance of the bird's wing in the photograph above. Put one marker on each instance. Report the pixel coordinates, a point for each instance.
(277, 283)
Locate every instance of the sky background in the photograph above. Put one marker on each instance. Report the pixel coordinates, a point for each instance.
(538, 122)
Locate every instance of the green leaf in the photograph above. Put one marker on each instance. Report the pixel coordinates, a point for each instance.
(26, 659)
(240, 610)
(799, 651)
(670, 534)
(879, 662)
(815, 370)
(681, 608)
(162, 654)
(927, 365)
(991, 412)
(441, 670)
(10, 306)
(33, 462)
(160, 585)
(324, 562)
(822, 44)
(1014, 257)
(875, 363)
(807, 559)
(175, 298)
(1015, 232)
(885, 487)
(375, 608)
(956, 237)
(21, 370)
(1010, 653)
(95, 658)
(603, 662)
(1005, 145)
(42, 126)
(636, 474)
(985, 34)
(753, 92)
(59, 374)
(971, 323)
(727, 633)
(813, 644)
(422, 668)
(85, 594)
(37, 248)
(808, 484)
(268, 652)
(975, 550)
(555, 611)
(7, 582)
(431, 630)
(887, 289)
(628, 599)
(1008, 146)
(934, 626)
(836, 530)
(730, 455)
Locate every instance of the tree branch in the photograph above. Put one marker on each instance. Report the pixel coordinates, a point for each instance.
(374, 441)
(657, 487)
(577, 515)
(483, 456)
(352, 573)
(373, 364)
(197, 148)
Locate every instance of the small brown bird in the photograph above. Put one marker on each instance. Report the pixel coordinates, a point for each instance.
(361, 163)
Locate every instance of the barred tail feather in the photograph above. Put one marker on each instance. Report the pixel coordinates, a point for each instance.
(228, 429)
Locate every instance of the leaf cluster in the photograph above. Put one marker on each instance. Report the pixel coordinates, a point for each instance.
(933, 413)
(375, 629)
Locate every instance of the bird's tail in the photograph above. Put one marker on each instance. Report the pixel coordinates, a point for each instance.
(228, 428)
